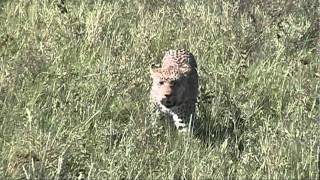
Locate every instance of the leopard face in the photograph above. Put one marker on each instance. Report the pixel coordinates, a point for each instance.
(169, 86)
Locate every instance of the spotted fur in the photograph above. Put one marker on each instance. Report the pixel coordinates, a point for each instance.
(175, 88)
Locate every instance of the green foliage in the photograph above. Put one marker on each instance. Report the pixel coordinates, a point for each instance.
(74, 87)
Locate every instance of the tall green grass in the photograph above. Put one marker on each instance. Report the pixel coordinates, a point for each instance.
(74, 87)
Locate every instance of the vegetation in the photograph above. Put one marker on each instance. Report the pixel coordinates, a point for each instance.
(74, 87)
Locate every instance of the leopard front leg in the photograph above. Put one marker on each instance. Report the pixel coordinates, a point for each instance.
(184, 124)
(180, 125)
(184, 116)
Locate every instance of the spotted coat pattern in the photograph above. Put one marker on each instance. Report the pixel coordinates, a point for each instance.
(174, 88)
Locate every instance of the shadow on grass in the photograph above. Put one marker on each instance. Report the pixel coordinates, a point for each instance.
(219, 122)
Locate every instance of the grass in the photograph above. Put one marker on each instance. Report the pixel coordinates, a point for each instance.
(74, 87)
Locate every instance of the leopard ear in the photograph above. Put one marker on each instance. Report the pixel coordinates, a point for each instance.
(154, 71)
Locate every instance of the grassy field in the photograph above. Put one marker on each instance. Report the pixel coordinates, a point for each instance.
(74, 89)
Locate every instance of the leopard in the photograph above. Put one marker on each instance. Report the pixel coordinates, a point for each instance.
(174, 88)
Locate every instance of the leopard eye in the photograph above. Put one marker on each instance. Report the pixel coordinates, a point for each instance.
(173, 83)
(161, 82)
